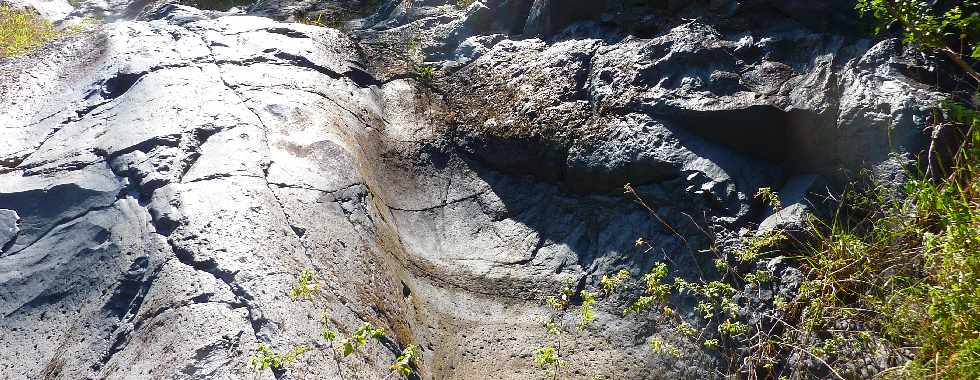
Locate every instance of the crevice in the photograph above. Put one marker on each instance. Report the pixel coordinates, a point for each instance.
(357, 75)
(172, 140)
(291, 33)
(215, 176)
(301, 187)
(211, 267)
(165, 228)
(116, 86)
(200, 137)
(447, 203)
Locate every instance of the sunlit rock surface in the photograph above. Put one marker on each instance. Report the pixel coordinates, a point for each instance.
(165, 177)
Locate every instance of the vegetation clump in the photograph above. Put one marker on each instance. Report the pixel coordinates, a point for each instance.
(23, 30)
(463, 4)
(953, 31)
(267, 358)
(340, 346)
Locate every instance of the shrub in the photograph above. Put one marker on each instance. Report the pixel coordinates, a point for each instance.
(929, 28)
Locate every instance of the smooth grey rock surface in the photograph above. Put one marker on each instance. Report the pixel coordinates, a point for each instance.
(173, 175)
(8, 226)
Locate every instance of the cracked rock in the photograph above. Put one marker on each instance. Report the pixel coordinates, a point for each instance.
(164, 178)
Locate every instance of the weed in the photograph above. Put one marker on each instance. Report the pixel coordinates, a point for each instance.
(340, 346)
(360, 337)
(333, 22)
(615, 282)
(770, 198)
(408, 359)
(753, 247)
(425, 73)
(659, 346)
(306, 287)
(267, 358)
(550, 360)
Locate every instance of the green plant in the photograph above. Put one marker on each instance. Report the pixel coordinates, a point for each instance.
(770, 198)
(23, 30)
(359, 338)
(906, 266)
(549, 359)
(425, 73)
(613, 283)
(340, 346)
(408, 358)
(267, 358)
(929, 28)
(343, 347)
(585, 310)
(661, 347)
(306, 287)
(756, 246)
(333, 22)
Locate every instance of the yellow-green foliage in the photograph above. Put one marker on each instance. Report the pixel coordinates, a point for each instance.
(22, 31)
(910, 270)
(612, 283)
(359, 338)
(755, 246)
(267, 358)
(306, 287)
(942, 312)
(585, 311)
(408, 358)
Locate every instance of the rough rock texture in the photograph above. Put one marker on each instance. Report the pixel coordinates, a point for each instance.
(172, 175)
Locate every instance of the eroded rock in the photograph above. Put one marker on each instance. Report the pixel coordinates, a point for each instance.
(191, 164)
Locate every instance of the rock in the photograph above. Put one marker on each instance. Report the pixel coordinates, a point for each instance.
(8, 226)
(172, 187)
(800, 202)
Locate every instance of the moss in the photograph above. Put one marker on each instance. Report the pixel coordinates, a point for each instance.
(22, 31)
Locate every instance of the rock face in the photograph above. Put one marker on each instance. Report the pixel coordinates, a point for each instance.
(8, 226)
(163, 181)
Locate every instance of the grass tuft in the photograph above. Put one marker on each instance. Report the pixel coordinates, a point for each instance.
(907, 270)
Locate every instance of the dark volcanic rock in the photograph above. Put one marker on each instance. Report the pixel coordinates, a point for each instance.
(163, 181)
